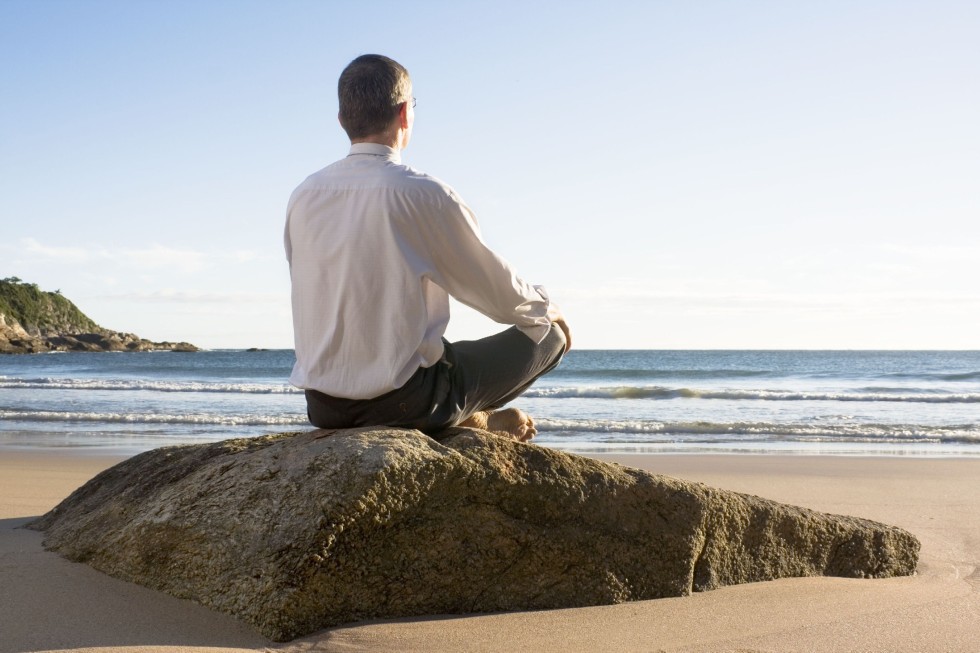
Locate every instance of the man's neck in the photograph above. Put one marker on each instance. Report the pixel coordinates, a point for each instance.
(396, 139)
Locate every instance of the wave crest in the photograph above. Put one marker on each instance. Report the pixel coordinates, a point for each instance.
(155, 386)
(153, 418)
(658, 392)
(712, 431)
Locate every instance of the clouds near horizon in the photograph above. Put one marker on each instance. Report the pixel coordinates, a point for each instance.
(682, 175)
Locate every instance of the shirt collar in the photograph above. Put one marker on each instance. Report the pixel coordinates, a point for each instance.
(376, 149)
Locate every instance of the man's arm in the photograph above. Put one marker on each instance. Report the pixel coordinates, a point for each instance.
(475, 275)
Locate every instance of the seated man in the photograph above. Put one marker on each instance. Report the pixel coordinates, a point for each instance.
(374, 247)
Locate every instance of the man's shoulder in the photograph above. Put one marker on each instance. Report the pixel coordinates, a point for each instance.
(427, 182)
(403, 177)
(344, 174)
(325, 176)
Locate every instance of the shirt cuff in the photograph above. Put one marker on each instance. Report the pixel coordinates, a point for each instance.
(538, 331)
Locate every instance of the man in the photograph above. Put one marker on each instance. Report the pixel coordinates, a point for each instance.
(374, 247)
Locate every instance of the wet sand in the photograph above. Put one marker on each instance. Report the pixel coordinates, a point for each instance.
(47, 603)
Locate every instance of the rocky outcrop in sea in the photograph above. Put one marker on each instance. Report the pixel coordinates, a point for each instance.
(297, 532)
(35, 321)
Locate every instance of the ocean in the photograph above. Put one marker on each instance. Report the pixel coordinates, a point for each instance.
(879, 403)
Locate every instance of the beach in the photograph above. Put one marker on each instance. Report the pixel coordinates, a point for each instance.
(48, 603)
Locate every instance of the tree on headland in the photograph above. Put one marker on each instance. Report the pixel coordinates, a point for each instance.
(40, 311)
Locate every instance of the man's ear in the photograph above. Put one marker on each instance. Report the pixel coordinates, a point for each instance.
(403, 115)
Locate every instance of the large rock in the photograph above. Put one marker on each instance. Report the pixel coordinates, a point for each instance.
(297, 532)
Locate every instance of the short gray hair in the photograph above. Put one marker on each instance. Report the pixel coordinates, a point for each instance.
(370, 90)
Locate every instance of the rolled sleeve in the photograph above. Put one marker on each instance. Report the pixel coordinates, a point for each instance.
(538, 330)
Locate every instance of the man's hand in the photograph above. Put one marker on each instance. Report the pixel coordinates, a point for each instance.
(560, 322)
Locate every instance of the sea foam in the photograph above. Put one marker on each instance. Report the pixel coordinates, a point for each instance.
(812, 432)
(154, 386)
(658, 392)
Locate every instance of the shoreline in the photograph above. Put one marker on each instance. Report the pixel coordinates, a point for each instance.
(789, 449)
(49, 603)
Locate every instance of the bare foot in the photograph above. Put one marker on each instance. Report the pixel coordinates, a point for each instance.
(510, 422)
(476, 420)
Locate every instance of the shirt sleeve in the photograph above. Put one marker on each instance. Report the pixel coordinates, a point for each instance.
(471, 272)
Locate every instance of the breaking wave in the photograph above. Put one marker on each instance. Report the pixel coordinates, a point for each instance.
(868, 394)
(153, 418)
(965, 433)
(154, 386)
(658, 392)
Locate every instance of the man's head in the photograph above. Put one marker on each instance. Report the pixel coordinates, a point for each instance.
(375, 93)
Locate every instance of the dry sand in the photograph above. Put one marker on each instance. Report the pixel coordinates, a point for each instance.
(47, 603)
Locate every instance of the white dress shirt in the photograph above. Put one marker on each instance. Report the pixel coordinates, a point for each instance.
(373, 248)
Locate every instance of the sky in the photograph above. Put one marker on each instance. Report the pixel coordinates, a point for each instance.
(689, 174)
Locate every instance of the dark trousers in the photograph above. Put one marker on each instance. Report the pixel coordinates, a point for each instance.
(472, 376)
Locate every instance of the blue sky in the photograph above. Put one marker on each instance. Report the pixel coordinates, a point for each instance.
(677, 174)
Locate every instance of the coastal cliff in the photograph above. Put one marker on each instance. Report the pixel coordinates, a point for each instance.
(35, 321)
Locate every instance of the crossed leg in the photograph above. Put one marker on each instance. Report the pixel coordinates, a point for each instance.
(494, 371)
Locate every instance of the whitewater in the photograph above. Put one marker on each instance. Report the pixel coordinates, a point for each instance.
(924, 403)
